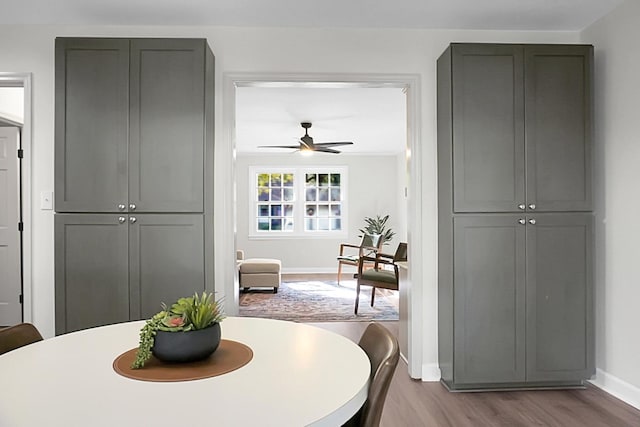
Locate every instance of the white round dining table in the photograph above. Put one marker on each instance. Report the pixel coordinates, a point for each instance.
(300, 375)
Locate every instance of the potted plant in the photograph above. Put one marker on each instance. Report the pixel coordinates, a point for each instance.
(378, 225)
(187, 331)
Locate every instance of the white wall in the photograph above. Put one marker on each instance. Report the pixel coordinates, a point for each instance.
(12, 103)
(276, 50)
(617, 199)
(372, 189)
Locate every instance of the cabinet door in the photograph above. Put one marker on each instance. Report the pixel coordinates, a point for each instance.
(166, 260)
(558, 118)
(488, 128)
(91, 270)
(559, 301)
(91, 120)
(167, 125)
(489, 299)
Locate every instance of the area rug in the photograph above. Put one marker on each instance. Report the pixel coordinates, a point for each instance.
(318, 301)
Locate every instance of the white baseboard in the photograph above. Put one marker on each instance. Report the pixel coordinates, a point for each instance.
(430, 372)
(624, 391)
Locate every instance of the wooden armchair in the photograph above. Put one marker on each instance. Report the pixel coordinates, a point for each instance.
(369, 245)
(384, 273)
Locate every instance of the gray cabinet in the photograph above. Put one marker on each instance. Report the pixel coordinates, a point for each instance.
(558, 125)
(113, 268)
(134, 177)
(514, 227)
(131, 124)
(489, 294)
(520, 126)
(92, 271)
(522, 300)
(559, 297)
(91, 119)
(166, 255)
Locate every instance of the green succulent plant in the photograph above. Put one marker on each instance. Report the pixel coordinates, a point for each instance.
(186, 314)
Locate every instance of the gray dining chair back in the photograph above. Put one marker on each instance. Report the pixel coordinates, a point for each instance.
(383, 351)
(18, 336)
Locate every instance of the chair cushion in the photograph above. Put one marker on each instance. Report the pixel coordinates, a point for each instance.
(385, 276)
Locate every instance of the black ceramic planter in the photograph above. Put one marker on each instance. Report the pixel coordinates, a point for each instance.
(181, 347)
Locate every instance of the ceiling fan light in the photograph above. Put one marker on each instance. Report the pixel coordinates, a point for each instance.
(306, 152)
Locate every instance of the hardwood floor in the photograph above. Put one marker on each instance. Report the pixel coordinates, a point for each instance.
(414, 403)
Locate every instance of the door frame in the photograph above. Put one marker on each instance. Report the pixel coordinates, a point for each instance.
(10, 79)
(225, 229)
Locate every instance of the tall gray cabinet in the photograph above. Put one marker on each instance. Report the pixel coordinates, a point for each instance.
(134, 176)
(514, 216)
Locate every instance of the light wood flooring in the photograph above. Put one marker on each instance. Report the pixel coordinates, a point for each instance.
(413, 403)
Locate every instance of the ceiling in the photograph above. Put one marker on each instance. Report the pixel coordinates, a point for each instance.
(563, 15)
(374, 119)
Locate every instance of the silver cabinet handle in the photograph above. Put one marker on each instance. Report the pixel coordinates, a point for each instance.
(132, 220)
(122, 207)
(522, 221)
(532, 221)
(132, 207)
(532, 206)
(521, 206)
(122, 219)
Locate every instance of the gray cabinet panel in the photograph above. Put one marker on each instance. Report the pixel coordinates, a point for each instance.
(488, 128)
(489, 294)
(558, 117)
(92, 278)
(166, 260)
(92, 103)
(167, 125)
(559, 305)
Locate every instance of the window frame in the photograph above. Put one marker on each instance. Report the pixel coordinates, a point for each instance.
(299, 203)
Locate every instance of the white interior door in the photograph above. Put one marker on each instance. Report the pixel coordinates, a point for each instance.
(10, 270)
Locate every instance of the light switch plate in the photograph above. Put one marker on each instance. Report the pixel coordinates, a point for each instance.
(46, 200)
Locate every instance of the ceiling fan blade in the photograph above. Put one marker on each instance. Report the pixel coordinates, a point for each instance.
(279, 146)
(333, 144)
(325, 150)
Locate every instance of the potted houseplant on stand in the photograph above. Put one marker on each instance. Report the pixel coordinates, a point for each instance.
(378, 225)
(187, 331)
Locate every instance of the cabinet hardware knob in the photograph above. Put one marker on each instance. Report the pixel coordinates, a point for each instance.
(532, 206)
(532, 221)
(132, 207)
(522, 221)
(132, 220)
(121, 206)
(121, 219)
(521, 206)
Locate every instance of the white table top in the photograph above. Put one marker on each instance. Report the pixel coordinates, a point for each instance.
(300, 375)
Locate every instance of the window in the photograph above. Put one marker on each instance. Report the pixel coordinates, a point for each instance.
(323, 202)
(275, 199)
(293, 202)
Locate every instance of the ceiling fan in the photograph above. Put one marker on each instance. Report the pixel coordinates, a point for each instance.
(306, 144)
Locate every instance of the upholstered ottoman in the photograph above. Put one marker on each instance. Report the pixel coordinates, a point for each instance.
(260, 272)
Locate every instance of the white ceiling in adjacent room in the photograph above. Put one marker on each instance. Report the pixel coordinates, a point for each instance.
(374, 119)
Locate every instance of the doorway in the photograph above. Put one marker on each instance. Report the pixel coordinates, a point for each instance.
(411, 321)
(15, 196)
